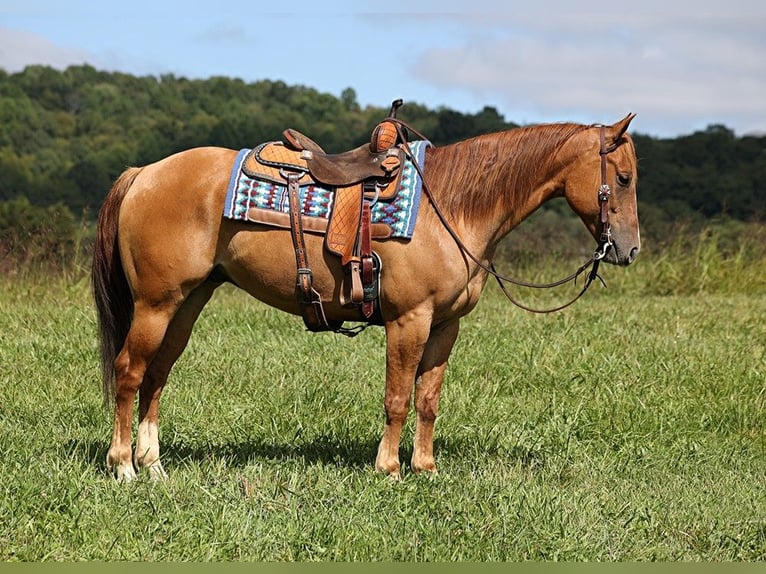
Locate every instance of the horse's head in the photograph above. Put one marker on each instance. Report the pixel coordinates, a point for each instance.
(607, 156)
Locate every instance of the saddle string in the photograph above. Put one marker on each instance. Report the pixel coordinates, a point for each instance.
(593, 262)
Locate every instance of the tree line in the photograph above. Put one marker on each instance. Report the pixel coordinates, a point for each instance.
(66, 135)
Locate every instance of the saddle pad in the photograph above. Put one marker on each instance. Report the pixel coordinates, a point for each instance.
(246, 198)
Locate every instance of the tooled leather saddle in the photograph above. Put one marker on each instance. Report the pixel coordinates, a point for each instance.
(359, 177)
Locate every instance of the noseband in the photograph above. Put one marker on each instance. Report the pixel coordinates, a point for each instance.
(605, 236)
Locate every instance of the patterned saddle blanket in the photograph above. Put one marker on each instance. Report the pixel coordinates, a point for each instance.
(266, 202)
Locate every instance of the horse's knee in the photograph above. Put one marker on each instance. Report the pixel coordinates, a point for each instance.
(427, 410)
(427, 404)
(397, 408)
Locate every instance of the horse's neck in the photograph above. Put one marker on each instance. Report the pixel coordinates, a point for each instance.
(486, 186)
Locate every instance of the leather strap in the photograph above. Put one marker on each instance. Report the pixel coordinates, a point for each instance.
(365, 252)
(308, 298)
(595, 260)
(604, 192)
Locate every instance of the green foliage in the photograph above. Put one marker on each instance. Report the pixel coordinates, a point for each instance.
(452, 126)
(708, 173)
(66, 135)
(34, 238)
(724, 258)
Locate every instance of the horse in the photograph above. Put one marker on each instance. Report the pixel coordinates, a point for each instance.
(158, 260)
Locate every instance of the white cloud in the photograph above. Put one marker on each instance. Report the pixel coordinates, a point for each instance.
(673, 70)
(19, 48)
(680, 64)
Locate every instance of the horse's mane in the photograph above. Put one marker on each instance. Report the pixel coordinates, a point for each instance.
(469, 175)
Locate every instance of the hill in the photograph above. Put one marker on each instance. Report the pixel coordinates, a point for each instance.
(66, 135)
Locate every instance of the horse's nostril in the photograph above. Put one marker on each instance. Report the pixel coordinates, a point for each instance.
(633, 255)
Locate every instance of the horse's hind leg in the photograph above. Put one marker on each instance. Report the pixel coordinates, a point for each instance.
(144, 338)
(147, 453)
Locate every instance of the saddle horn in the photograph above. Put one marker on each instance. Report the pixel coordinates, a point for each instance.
(395, 105)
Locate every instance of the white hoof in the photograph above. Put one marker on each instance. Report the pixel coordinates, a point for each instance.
(125, 473)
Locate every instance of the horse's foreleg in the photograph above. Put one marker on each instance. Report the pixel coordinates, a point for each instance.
(427, 393)
(144, 339)
(147, 453)
(405, 342)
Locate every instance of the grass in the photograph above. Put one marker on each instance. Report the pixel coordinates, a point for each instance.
(629, 427)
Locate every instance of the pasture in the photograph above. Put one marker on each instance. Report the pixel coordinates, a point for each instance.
(628, 427)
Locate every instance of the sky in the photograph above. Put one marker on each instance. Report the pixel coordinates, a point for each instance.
(681, 65)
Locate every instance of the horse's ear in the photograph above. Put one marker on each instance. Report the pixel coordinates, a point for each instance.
(617, 130)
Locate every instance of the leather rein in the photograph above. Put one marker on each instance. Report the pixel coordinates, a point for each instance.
(604, 244)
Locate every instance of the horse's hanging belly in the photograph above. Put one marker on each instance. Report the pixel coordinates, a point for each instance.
(261, 261)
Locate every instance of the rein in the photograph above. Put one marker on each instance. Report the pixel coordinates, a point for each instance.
(605, 237)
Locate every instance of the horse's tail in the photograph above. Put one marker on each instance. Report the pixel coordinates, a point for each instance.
(111, 292)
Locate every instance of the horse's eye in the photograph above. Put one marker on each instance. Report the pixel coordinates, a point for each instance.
(623, 179)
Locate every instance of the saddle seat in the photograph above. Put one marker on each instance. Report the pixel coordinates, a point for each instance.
(375, 160)
(302, 155)
(372, 167)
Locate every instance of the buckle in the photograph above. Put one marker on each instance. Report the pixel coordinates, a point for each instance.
(304, 282)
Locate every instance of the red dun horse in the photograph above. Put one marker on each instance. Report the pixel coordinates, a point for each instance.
(158, 260)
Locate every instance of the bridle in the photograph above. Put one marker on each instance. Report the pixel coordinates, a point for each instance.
(605, 236)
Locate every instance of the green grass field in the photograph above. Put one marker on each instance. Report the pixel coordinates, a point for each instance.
(629, 427)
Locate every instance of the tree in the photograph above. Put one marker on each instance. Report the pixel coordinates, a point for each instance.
(33, 234)
(348, 98)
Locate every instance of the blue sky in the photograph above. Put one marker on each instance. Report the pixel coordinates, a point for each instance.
(680, 64)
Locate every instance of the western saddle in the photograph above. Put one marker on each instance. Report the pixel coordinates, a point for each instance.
(359, 177)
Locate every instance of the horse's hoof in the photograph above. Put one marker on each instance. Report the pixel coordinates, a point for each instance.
(122, 471)
(426, 465)
(391, 469)
(125, 473)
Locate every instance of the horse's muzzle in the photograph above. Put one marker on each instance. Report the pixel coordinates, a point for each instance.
(617, 256)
